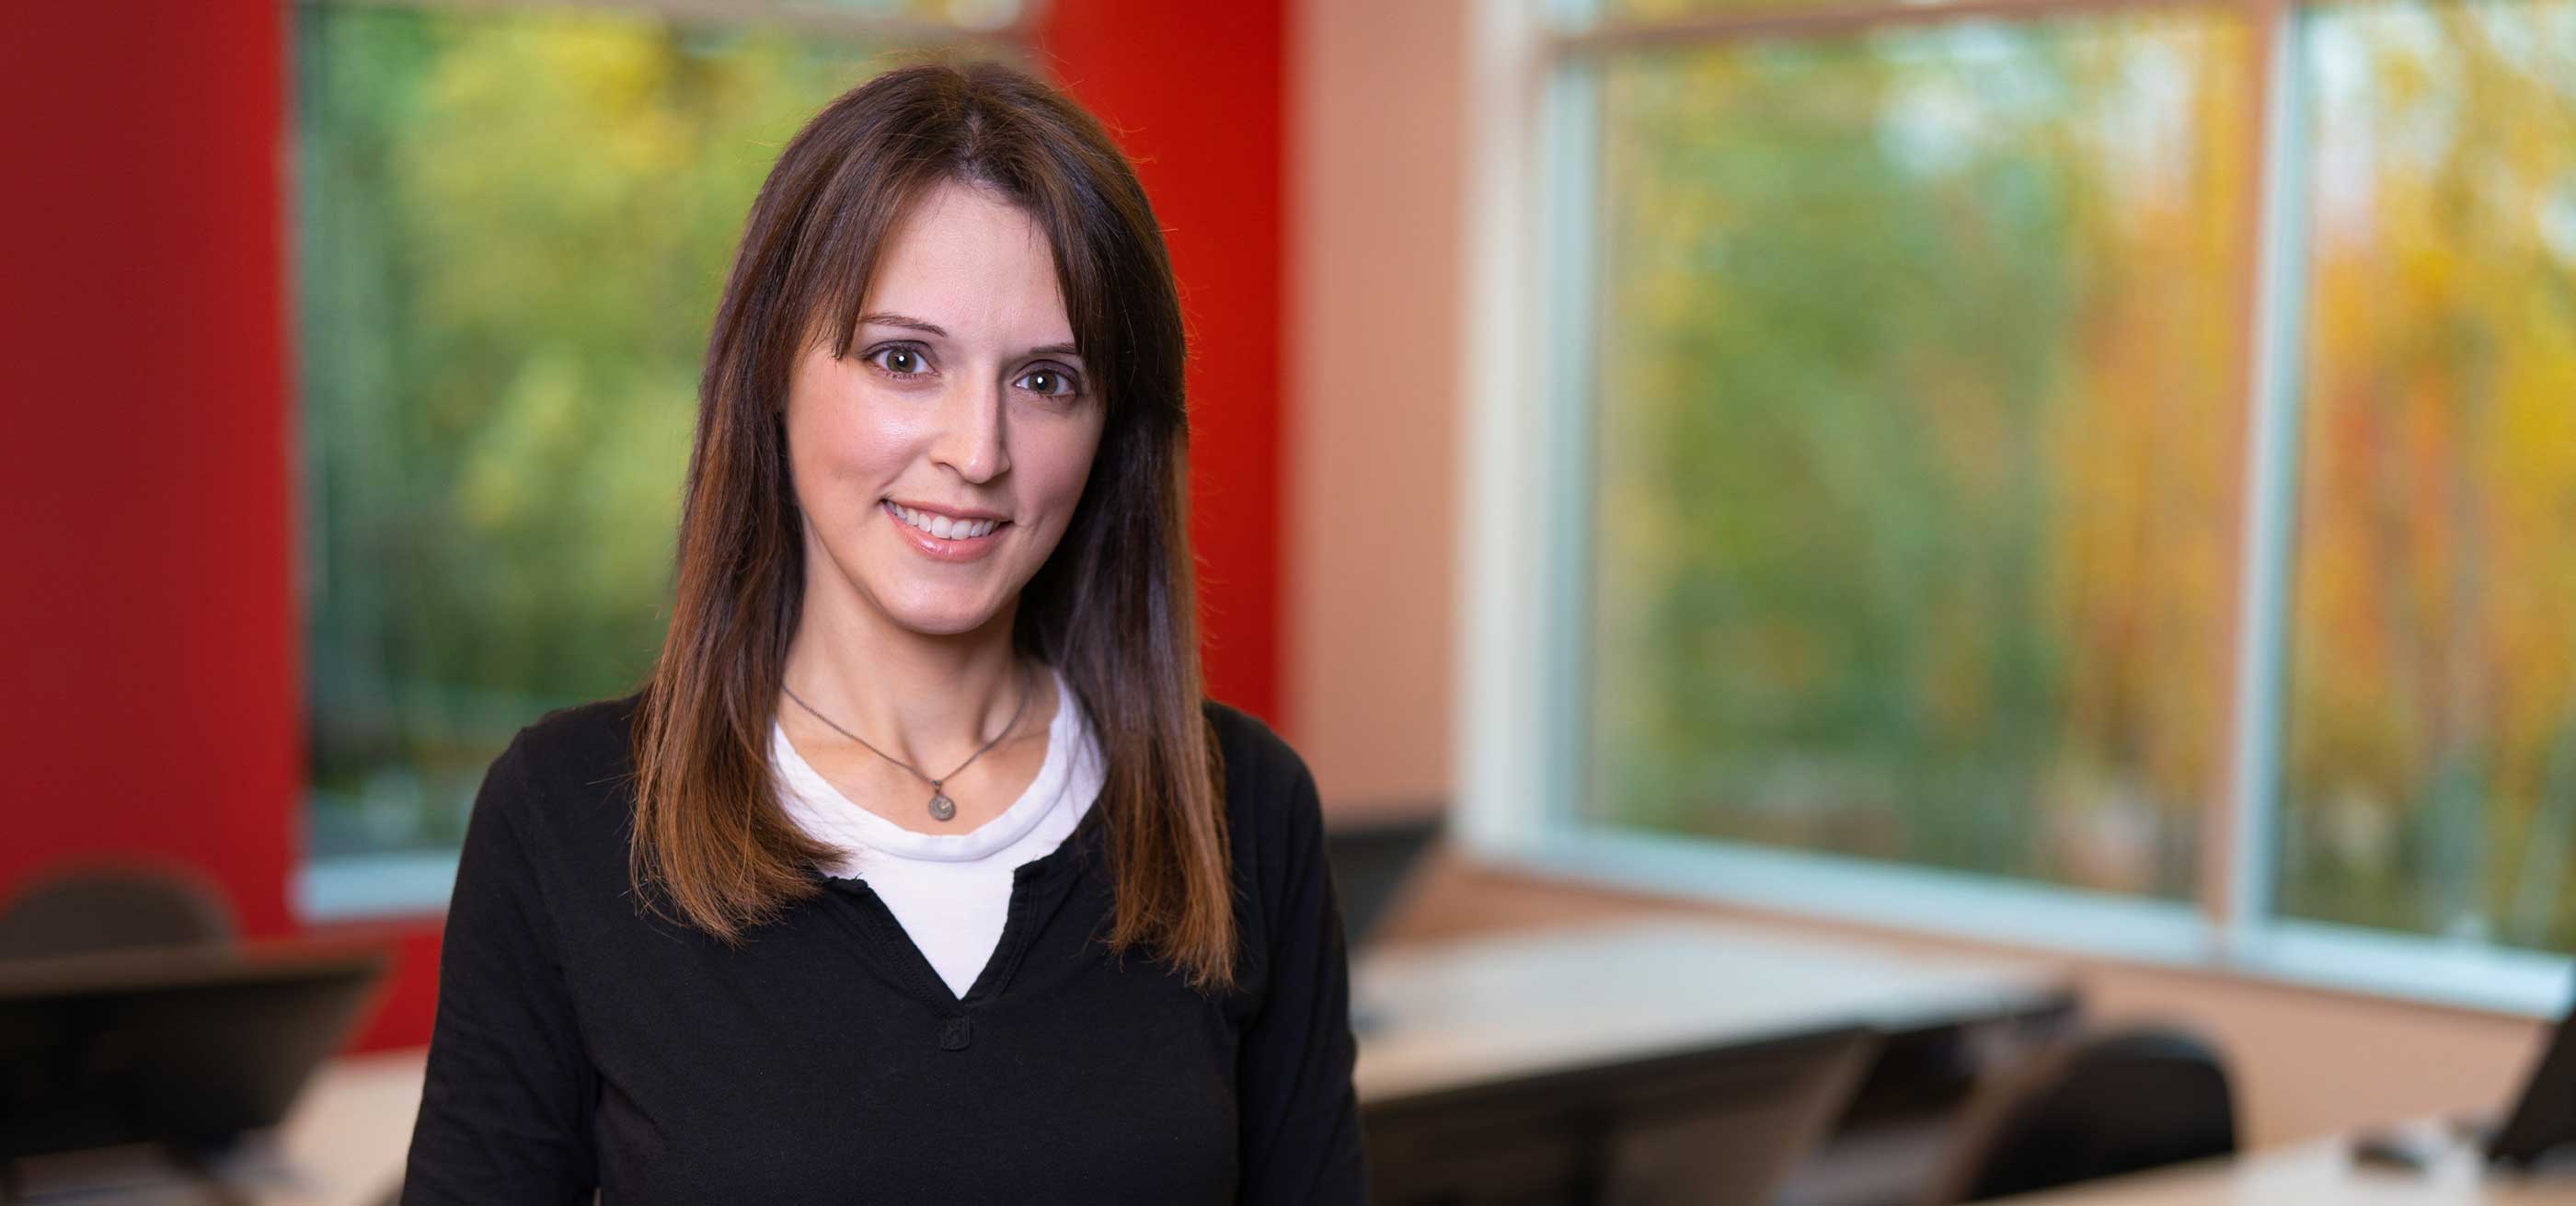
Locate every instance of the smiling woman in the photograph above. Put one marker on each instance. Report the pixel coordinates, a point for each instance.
(961, 433)
(708, 943)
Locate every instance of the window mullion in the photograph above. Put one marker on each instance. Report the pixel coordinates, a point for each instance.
(2238, 882)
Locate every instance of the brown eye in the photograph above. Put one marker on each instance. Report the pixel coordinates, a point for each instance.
(1051, 382)
(900, 360)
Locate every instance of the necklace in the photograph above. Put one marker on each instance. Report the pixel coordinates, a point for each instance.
(941, 807)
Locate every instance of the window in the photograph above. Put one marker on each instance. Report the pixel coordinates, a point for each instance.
(2429, 775)
(1919, 443)
(513, 226)
(2101, 473)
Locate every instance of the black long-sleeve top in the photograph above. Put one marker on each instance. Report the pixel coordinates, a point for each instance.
(580, 1044)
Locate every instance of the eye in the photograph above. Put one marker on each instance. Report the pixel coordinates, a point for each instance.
(1049, 380)
(900, 360)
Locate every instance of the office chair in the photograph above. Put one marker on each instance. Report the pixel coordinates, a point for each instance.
(112, 908)
(2092, 1106)
(94, 909)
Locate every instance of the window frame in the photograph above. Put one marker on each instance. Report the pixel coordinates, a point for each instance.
(1522, 682)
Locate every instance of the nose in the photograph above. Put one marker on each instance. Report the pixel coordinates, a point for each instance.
(973, 439)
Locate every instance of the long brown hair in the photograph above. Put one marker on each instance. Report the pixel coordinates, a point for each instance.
(1113, 608)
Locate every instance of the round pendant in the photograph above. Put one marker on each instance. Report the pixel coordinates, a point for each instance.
(941, 807)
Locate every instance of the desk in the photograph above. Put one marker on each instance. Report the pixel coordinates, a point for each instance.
(1600, 1063)
(1437, 1018)
(2317, 1174)
(342, 1145)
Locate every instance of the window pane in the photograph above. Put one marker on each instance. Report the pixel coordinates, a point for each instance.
(513, 228)
(1919, 444)
(2430, 777)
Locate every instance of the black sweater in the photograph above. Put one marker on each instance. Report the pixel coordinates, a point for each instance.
(579, 1044)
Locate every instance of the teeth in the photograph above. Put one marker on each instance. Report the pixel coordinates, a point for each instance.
(945, 528)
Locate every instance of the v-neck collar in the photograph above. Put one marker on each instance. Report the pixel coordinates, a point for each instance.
(1038, 887)
(821, 810)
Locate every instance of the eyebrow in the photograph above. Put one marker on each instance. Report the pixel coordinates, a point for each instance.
(910, 323)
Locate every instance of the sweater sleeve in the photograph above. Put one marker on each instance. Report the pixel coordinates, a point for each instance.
(504, 1114)
(1299, 1115)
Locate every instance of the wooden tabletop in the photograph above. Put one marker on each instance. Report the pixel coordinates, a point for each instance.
(2323, 1173)
(1438, 1017)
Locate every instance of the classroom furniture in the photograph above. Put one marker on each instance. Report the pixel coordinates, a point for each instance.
(2325, 1172)
(111, 908)
(1684, 1061)
(1708, 1127)
(1528, 1003)
(179, 1051)
(2089, 1107)
(1371, 862)
(1460, 1018)
(342, 1145)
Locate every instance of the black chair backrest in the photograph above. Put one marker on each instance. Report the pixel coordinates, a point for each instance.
(1370, 864)
(103, 909)
(2094, 1106)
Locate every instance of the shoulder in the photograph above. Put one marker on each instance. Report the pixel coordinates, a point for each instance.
(579, 748)
(1258, 762)
(566, 779)
(1274, 820)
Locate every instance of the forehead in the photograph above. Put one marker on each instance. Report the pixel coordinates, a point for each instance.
(968, 260)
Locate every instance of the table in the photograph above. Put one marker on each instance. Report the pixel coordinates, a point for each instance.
(2321, 1173)
(342, 1145)
(1639, 1059)
(1436, 1018)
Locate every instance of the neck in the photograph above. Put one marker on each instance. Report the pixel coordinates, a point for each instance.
(930, 700)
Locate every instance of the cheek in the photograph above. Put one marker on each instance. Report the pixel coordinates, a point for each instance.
(1059, 476)
(845, 451)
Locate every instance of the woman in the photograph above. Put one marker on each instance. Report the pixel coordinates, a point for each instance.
(918, 870)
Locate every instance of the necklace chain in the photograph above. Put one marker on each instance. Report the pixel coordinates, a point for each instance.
(941, 807)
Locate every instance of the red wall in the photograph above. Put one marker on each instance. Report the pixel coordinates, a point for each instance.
(1195, 94)
(149, 641)
(146, 639)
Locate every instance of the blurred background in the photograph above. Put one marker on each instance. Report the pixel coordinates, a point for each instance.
(2081, 485)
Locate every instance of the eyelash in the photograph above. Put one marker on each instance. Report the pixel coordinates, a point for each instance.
(876, 356)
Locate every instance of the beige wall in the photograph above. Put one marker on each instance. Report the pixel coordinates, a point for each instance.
(1372, 391)
(1374, 402)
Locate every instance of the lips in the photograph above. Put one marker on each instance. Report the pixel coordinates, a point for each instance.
(921, 529)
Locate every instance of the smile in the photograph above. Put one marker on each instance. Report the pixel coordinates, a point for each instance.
(945, 537)
(942, 526)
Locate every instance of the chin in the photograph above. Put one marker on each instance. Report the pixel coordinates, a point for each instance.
(943, 617)
(942, 627)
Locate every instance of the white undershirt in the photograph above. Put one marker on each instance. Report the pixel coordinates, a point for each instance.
(951, 891)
